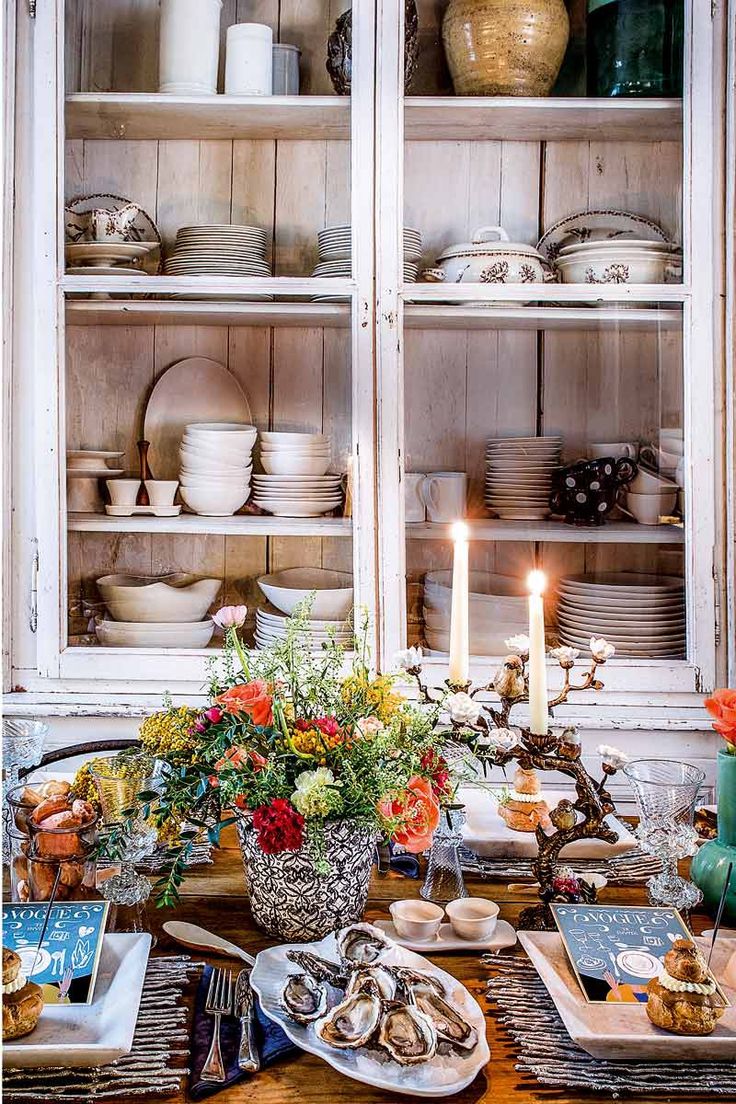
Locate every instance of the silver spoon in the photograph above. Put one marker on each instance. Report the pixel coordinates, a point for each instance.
(191, 935)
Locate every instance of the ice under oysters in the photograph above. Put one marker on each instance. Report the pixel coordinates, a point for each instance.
(374, 1004)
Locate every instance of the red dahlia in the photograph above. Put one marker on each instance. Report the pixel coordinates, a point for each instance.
(279, 826)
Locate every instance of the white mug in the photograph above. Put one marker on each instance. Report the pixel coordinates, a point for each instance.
(414, 507)
(444, 495)
(617, 449)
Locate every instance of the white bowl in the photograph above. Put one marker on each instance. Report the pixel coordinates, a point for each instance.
(175, 598)
(225, 453)
(416, 920)
(133, 634)
(628, 266)
(295, 440)
(473, 918)
(214, 501)
(333, 599)
(301, 465)
(221, 427)
(215, 480)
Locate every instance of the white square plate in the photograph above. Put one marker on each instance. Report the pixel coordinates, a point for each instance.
(90, 1034)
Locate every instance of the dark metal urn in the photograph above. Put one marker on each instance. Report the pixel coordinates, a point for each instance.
(340, 49)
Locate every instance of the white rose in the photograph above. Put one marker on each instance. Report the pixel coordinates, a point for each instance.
(504, 738)
(612, 757)
(408, 659)
(462, 708)
(519, 644)
(565, 656)
(601, 649)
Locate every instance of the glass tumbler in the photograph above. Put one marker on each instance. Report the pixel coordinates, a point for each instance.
(666, 791)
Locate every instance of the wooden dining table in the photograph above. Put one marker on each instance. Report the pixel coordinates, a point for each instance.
(214, 897)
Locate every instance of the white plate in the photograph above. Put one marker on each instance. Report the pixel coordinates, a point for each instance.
(520, 515)
(372, 1067)
(105, 270)
(112, 251)
(92, 456)
(622, 583)
(597, 225)
(90, 1034)
(624, 1031)
(446, 940)
(93, 473)
(123, 634)
(193, 390)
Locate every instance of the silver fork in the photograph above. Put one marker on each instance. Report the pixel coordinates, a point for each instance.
(219, 1003)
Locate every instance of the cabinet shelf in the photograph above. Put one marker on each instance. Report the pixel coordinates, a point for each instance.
(462, 316)
(150, 115)
(240, 525)
(215, 287)
(583, 294)
(613, 532)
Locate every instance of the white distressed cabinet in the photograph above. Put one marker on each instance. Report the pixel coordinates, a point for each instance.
(405, 377)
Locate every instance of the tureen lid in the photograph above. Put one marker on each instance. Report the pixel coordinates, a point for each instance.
(484, 245)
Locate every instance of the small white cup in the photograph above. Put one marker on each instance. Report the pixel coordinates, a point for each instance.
(161, 491)
(249, 60)
(473, 918)
(416, 920)
(648, 508)
(617, 449)
(444, 495)
(413, 501)
(123, 492)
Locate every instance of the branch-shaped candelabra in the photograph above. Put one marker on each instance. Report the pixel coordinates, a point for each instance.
(484, 729)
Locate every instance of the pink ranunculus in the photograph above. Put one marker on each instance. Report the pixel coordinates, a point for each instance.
(230, 617)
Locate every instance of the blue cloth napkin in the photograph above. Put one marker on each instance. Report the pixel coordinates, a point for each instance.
(272, 1043)
(404, 863)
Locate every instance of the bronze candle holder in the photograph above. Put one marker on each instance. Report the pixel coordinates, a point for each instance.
(484, 730)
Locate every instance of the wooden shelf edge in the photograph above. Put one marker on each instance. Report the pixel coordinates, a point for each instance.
(245, 525)
(147, 312)
(613, 532)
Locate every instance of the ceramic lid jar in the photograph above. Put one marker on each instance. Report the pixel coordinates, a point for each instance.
(490, 258)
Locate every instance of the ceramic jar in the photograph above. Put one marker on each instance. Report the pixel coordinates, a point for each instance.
(505, 47)
(249, 60)
(189, 47)
(710, 863)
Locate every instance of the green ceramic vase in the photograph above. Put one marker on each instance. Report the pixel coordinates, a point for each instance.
(709, 866)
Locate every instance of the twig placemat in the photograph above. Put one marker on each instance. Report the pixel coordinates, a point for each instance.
(156, 1066)
(546, 1051)
(627, 869)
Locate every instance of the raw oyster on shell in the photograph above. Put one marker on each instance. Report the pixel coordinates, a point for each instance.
(407, 1034)
(373, 979)
(362, 944)
(304, 998)
(321, 969)
(407, 978)
(351, 1023)
(448, 1022)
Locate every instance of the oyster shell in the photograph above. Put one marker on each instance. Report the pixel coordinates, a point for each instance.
(407, 1034)
(373, 979)
(304, 998)
(351, 1023)
(321, 969)
(407, 978)
(449, 1024)
(362, 944)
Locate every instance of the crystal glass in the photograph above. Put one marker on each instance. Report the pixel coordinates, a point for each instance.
(118, 780)
(666, 791)
(128, 893)
(444, 878)
(23, 744)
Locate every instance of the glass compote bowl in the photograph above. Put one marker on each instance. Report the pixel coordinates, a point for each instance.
(666, 791)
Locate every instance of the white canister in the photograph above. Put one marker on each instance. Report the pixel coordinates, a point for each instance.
(189, 47)
(249, 60)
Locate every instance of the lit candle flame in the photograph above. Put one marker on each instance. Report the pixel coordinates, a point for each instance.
(537, 582)
(459, 531)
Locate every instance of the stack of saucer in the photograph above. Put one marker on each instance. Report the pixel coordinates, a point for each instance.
(272, 626)
(335, 250)
(216, 466)
(220, 250)
(297, 495)
(519, 473)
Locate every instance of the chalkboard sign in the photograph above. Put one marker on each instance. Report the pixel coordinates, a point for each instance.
(615, 950)
(65, 965)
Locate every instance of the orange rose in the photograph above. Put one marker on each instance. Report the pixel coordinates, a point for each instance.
(417, 812)
(240, 757)
(722, 706)
(251, 698)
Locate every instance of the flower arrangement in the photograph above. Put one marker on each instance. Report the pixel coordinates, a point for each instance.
(290, 742)
(722, 706)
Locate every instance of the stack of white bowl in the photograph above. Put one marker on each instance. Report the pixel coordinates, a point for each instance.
(165, 611)
(519, 473)
(296, 483)
(497, 605)
(620, 261)
(335, 252)
(642, 615)
(271, 627)
(216, 466)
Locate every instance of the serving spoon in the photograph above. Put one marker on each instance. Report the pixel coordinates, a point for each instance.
(191, 935)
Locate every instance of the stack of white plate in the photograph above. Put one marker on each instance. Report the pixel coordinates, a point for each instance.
(216, 466)
(271, 627)
(519, 472)
(155, 634)
(220, 250)
(335, 251)
(497, 608)
(297, 495)
(642, 615)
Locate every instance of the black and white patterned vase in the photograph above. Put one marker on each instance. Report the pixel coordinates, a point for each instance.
(291, 899)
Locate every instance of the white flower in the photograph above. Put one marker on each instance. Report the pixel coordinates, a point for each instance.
(504, 738)
(462, 708)
(408, 659)
(601, 649)
(315, 794)
(230, 617)
(565, 656)
(519, 644)
(369, 726)
(612, 757)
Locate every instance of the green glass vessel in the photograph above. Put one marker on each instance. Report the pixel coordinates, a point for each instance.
(635, 47)
(709, 865)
